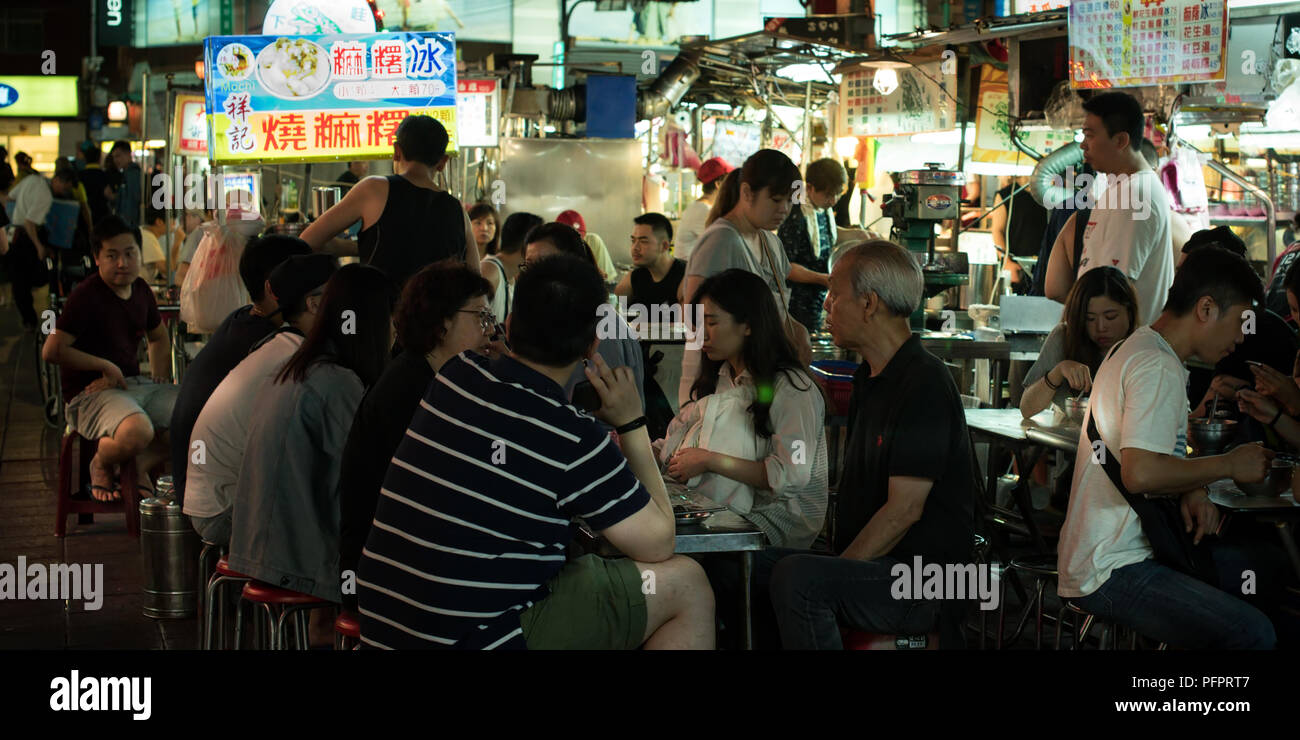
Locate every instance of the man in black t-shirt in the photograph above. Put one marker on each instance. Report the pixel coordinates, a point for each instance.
(230, 343)
(95, 344)
(657, 275)
(906, 491)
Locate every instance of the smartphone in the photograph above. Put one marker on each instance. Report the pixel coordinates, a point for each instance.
(1254, 363)
(585, 397)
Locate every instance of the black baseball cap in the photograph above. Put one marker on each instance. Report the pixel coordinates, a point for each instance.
(300, 276)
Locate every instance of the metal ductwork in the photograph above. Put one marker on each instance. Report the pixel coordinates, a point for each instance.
(670, 87)
(1051, 194)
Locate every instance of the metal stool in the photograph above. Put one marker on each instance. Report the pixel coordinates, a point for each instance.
(1079, 632)
(209, 554)
(214, 603)
(347, 631)
(291, 606)
(1043, 569)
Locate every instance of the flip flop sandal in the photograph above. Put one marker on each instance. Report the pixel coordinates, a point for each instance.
(114, 494)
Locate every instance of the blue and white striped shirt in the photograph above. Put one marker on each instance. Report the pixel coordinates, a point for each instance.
(473, 517)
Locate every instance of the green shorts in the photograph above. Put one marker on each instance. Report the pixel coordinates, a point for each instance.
(594, 604)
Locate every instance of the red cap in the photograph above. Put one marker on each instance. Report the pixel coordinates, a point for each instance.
(572, 218)
(712, 169)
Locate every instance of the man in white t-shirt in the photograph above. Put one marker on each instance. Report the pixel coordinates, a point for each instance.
(210, 478)
(1139, 405)
(1128, 226)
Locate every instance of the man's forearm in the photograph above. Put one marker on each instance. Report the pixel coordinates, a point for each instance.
(31, 228)
(1167, 475)
(160, 365)
(641, 459)
(881, 534)
(340, 247)
(75, 359)
(801, 274)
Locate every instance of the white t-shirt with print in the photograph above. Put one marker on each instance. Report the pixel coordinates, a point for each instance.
(1129, 229)
(1139, 400)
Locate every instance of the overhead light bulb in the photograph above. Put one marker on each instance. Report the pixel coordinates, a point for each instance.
(885, 81)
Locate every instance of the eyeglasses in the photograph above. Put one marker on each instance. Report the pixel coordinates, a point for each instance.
(486, 319)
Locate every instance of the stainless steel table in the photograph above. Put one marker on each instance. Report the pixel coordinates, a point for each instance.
(1280, 511)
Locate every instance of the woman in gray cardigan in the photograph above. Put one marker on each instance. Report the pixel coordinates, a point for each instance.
(286, 514)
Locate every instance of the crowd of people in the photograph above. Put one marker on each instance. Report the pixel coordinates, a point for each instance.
(428, 424)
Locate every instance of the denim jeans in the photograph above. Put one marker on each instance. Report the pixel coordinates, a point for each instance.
(814, 595)
(1164, 604)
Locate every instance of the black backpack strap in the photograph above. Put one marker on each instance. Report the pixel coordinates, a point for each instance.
(1081, 217)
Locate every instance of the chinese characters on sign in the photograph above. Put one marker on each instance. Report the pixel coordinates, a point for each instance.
(191, 126)
(922, 102)
(477, 113)
(1127, 43)
(992, 132)
(324, 97)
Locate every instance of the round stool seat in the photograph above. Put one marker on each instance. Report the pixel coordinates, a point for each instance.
(264, 593)
(1039, 565)
(348, 624)
(223, 569)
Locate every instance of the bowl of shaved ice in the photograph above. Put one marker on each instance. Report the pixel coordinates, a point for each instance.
(293, 68)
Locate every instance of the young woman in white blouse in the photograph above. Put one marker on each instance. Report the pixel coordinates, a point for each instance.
(753, 436)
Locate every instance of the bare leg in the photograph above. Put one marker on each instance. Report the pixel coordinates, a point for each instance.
(131, 438)
(679, 614)
(157, 453)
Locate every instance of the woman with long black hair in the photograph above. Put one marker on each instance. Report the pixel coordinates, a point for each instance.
(753, 436)
(751, 203)
(286, 513)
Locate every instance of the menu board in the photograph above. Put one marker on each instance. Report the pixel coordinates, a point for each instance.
(191, 126)
(735, 141)
(1130, 43)
(326, 96)
(921, 102)
(477, 113)
(993, 132)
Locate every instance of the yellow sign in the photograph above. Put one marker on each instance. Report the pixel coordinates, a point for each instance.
(993, 132)
(38, 96)
(190, 126)
(319, 136)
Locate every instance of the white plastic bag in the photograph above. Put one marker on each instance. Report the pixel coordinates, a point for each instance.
(213, 287)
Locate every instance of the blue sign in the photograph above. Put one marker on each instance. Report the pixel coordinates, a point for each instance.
(324, 96)
(8, 95)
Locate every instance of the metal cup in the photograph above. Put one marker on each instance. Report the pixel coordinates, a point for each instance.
(324, 198)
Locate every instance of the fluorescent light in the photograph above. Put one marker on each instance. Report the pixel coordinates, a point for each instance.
(155, 144)
(1256, 162)
(718, 106)
(846, 146)
(49, 128)
(804, 73)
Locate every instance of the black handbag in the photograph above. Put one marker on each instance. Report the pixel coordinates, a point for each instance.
(1162, 520)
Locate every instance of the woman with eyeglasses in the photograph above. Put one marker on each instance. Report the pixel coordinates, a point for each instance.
(443, 312)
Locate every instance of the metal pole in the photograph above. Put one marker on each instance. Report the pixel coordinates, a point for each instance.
(167, 170)
(961, 155)
(1270, 210)
(807, 124)
(144, 143)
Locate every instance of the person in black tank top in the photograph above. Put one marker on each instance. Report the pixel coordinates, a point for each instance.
(656, 277)
(408, 222)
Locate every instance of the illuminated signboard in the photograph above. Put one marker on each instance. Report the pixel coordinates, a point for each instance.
(298, 17)
(191, 126)
(38, 96)
(477, 111)
(324, 96)
(1130, 43)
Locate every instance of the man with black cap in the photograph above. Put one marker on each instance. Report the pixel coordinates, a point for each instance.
(232, 342)
(217, 443)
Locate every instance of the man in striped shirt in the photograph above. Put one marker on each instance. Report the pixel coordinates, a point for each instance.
(468, 545)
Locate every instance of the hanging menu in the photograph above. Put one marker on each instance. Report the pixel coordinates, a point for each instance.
(909, 100)
(1129, 43)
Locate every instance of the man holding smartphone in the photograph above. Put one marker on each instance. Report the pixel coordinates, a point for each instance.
(468, 544)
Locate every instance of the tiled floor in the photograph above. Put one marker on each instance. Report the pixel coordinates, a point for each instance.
(28, 473)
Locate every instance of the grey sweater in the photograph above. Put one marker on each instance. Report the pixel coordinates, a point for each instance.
(285, 530)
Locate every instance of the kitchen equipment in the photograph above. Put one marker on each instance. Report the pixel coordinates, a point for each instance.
(169, 547)
(1211, 437)
(984, 315)
(324, 198)
(1275, 483)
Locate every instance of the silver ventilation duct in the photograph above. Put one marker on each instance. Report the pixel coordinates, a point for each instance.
(670, 87)
(1051, 194)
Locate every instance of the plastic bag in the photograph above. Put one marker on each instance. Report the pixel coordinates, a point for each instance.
(213, 287)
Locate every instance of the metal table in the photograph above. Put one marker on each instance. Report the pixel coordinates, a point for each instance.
(1007, 428)
(1281, 511)
(997, 353)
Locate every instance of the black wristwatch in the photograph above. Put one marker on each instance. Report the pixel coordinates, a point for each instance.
(631, 426)
(1276, 416)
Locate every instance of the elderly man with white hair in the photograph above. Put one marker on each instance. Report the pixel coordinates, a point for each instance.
(906, 492)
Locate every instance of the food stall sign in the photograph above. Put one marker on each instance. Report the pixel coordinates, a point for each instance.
(992, 132)
(478, 113)
(1131, 43)
(191, 126)
(38, 96)
(922, 101)
(324, 97)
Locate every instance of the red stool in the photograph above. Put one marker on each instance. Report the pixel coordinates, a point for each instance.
(347, 628)
(854, 640)
(290, 605)
(129, 505)
(215, 603)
